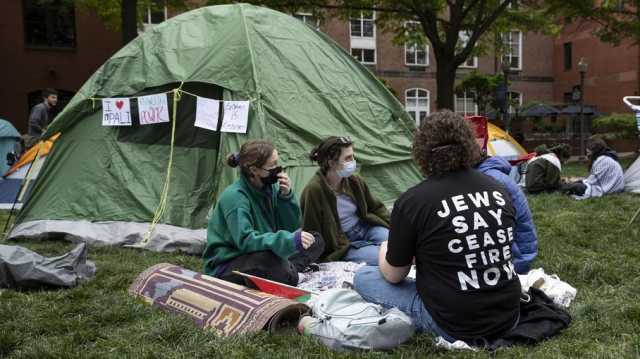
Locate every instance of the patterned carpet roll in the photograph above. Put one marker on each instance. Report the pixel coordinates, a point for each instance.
(227, 308)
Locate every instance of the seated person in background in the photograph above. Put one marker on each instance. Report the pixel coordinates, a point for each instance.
(605, 173)
(457, 225)
(255, 226)
(543, 171)
(338, 204)
(524, 248)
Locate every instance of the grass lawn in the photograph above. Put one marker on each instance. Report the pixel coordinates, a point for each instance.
(587, 243)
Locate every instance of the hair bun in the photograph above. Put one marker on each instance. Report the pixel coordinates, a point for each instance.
(233, 160)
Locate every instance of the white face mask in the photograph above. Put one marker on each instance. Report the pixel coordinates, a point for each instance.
(347, 169)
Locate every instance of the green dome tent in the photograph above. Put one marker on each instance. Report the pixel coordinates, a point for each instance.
(8, 138)
(103, 185)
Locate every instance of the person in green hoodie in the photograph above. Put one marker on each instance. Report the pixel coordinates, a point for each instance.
(255, 226)
(338, 204)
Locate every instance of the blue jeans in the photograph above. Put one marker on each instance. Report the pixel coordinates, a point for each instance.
(370, 284)
(365, 243)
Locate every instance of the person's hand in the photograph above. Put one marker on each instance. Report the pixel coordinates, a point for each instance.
(285, 183)
(307, 239)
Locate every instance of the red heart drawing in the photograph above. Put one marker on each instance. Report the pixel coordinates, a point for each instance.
(119, 104)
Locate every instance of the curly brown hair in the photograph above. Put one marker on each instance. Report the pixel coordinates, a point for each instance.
(445, 143)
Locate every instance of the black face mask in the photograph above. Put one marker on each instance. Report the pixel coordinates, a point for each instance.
(272, 177)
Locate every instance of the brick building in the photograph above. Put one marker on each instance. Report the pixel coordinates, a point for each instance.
(612, 72)
(60, 47)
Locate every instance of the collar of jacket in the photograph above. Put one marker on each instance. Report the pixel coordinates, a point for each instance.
(346, 186)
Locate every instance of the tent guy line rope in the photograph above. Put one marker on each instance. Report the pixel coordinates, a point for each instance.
(162, 206)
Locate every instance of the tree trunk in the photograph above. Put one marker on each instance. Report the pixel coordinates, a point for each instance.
(445, 84)
(129, 20)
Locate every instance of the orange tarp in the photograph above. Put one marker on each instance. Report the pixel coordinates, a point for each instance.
(30, 155)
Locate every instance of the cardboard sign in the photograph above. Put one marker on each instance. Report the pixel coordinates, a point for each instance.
(116, 112)
(153, 109)
(207, 113)
(236, 116)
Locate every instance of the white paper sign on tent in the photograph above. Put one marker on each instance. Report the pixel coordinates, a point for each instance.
(116, 111)
(207, 113)
(236, 116)
(153, 109)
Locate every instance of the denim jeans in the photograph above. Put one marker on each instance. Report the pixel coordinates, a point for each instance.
(365, 243)
(370, 284)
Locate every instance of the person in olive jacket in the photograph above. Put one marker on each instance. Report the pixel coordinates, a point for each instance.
(255, 226)
(338, 204)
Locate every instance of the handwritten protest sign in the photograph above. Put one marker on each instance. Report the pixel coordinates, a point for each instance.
(207, 113)
(116, 112)
(236, 116)
(153, 109)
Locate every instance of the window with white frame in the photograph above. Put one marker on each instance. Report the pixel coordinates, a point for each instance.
(415, 54)
(366, 56)
(513, 49)
(362, 32)
(465, 104)
(308, 19)
(364, 25)
(155, 14)
(472, 62)
(515, 100)
(416, 103)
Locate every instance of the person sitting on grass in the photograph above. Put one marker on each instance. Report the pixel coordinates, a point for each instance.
(605, 173)
(255, 226)
(338, 204)
(457, 225)
(524, 248)
(543, 171)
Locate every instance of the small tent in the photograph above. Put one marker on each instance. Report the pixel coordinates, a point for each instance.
(103, 185)
(24, 172)
(497, 142)
(632, 177)
(9, 136)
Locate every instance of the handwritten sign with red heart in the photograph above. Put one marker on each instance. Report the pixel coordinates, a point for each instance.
(116, 112)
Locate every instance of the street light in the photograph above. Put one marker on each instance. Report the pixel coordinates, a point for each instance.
(582, 68)
(506, 67)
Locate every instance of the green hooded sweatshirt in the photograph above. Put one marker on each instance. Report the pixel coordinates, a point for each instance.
(247, 220)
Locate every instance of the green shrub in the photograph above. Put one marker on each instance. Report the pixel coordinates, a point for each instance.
(616, 125)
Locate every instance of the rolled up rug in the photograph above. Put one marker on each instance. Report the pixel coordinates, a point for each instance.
(227, 308)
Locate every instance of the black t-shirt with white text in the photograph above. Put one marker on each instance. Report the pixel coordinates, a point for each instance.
(459, 227)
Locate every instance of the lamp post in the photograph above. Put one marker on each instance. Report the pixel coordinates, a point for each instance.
(507, 121)
(582, 68)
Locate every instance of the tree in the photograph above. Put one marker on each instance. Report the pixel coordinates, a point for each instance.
(127, 15)
(483, 88)
(613, 20)
(440, 23)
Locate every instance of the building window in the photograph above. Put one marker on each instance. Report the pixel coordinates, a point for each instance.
(155, 14)
(363, 37)
(466, 104)
(515, 101)
(366, 56)
(49, 24)
(568, 57)
(472, 62)
(415, 54)
(513, 49)
(308, 19)
(416, 103)
(363, 26)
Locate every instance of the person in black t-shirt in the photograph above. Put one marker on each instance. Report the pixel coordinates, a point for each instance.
(457, 225)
